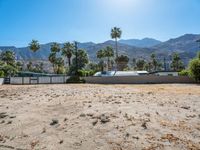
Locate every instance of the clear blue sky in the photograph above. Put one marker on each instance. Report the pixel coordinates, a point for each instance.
(92, 20)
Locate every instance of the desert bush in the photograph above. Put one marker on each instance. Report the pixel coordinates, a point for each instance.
(86, 73)
(194, 68)
(75, 79)
(1, 74)
(184, 73)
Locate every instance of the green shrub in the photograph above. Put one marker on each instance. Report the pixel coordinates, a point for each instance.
(1, 74)
(194, 68)
(86, 73)
(75, 79)
(184, 73)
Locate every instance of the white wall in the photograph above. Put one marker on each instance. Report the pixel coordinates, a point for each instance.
(1, 81)
(38, 80)
(139, 80)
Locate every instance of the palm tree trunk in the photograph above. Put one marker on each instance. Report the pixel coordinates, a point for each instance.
(116, 47)
(69, 61)
(108, 63)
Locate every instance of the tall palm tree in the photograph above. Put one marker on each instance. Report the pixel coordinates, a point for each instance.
(34, 45)
(67, 51)
(116, 34)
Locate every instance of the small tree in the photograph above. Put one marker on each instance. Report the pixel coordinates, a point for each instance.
(8, 65)
(122, 62)
(194, 68)
(8, 57)
(140, 64)
(1, 74)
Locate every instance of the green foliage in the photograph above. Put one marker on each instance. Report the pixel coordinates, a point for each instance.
(82, 59)
(8, 57)
(8, 66)
(75, 79)
(105, 53)
(55, 47)
(67, 51)
(184, 73)
(37, 68)
(95, 67)
(9, 70)
(57, 62)
(115, 34)
(86, 73)
(19, 66)
(34, 45)
(122, 62)
(177, 64)
(194, 68)
(154, 63)
(140, 64)
(2, 74)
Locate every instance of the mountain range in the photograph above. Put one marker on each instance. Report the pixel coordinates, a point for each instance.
(185, 45)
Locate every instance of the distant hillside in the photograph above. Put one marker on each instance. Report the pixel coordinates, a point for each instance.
(186, 45)
(146, 42)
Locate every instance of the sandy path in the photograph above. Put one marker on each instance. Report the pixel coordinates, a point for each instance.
(100, 117)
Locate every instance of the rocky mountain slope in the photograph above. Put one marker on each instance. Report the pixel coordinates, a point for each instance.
(186, 45)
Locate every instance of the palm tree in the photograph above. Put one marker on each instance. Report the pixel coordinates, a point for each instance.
(177, 64)
(34, 45)
(59, 65)
(67, 51)
(52, 59)
(108, 53)
(101, 55)
(154, 62)
(55, 47)
(115, 34)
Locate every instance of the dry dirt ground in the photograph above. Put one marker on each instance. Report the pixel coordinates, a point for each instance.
(100, 117)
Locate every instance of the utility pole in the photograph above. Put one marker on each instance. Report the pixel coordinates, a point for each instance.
(76, 53)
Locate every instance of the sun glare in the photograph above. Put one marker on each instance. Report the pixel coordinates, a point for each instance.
(119, 5)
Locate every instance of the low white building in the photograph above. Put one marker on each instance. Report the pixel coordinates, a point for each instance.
(165, 73)
(120, 73)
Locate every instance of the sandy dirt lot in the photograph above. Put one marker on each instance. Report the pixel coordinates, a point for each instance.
(100, 117)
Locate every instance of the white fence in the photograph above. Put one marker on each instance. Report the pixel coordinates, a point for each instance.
(39, 80)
